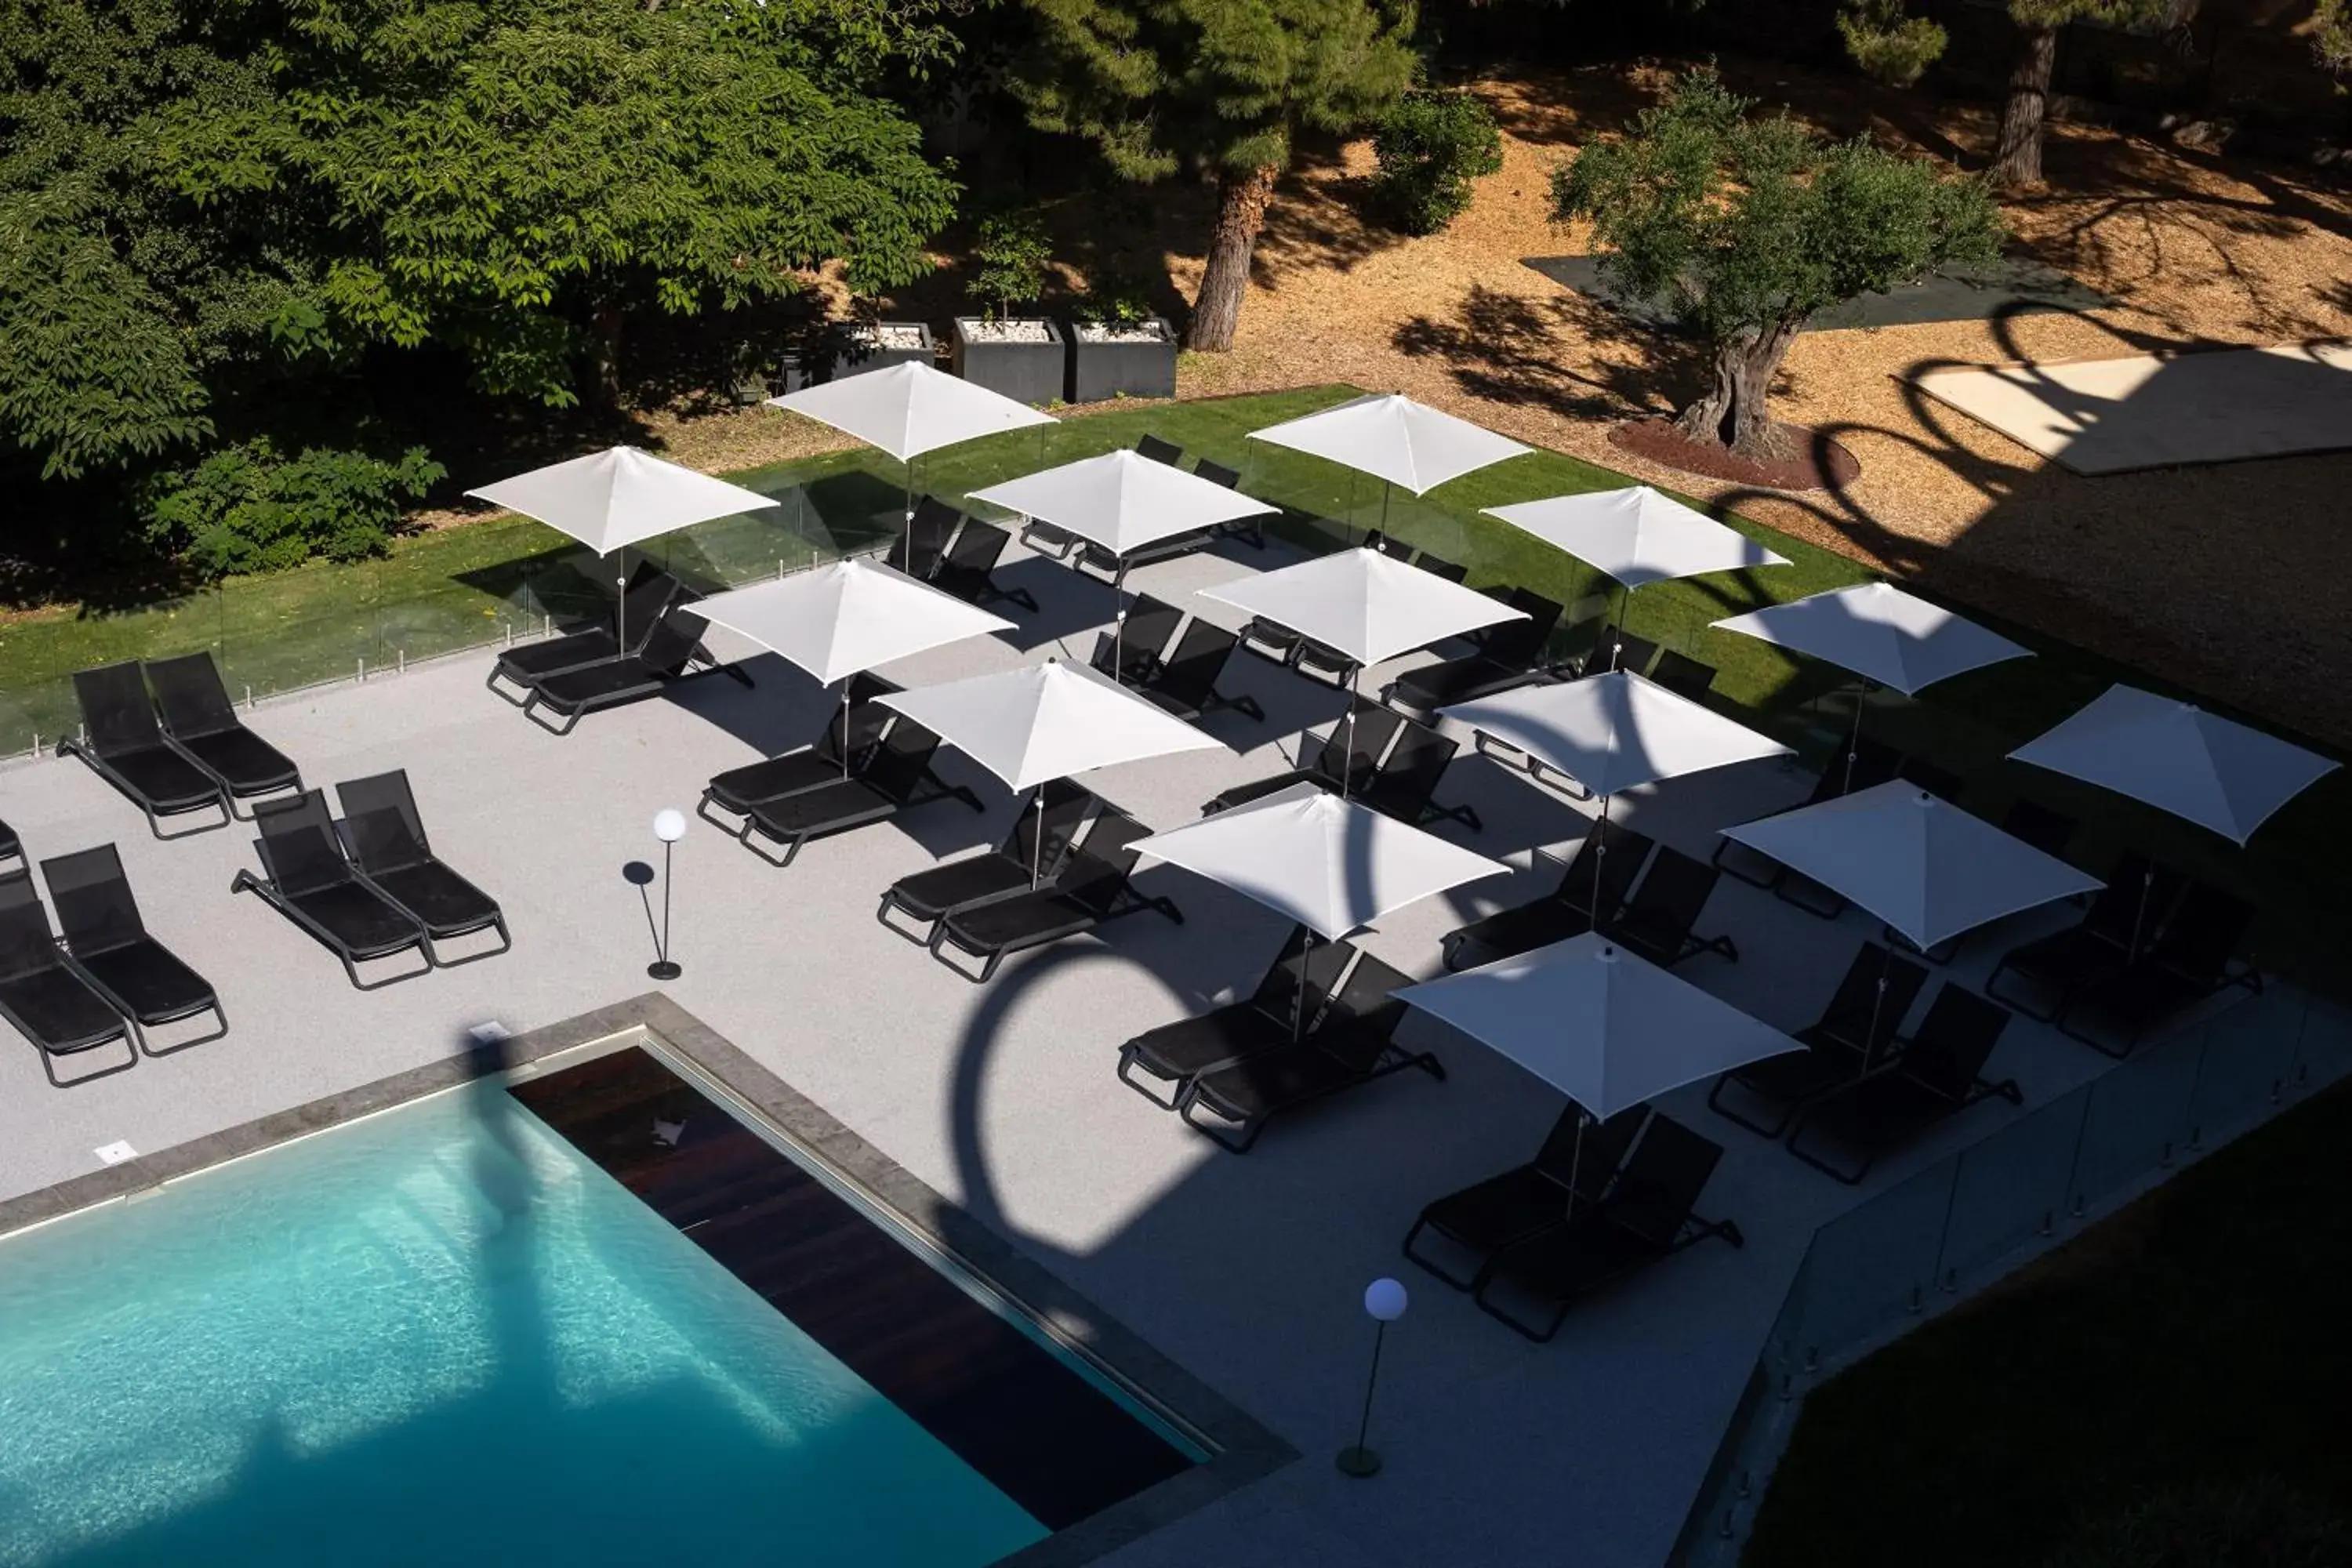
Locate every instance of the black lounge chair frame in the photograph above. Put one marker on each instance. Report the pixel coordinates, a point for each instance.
(1960, 1042)
(201, 725)
(899, 778)
(681, 657)
(31, 963)
(383, 835)
(645, 602)
(1286, 1006)
(114, 697)
(1094, 889)
(860, 730)
(1053, 821)
(1578, 1162)
(319, 826)
(108, 943)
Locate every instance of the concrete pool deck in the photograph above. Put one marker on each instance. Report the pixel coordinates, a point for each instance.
(1247, 1272)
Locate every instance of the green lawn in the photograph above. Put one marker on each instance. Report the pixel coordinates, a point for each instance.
(2193, 1342)
(465, 585)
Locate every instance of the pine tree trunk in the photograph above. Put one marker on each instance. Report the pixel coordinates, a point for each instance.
(1241, 201)
(2017, 160)
(1736, 410)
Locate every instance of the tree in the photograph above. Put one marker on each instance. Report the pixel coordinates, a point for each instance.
(1220, 86)
(1744, 229)
(1886, 44)
(2017, 156)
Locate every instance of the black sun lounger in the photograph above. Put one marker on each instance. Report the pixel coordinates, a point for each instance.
(128, 749)
(1873, 763)
(1649, 1214)
(1286, 1006)
(926, 539)
(1141, 639)
(384, 837)
(11, 847)
(1185, 681)
(1567, 910)
(1350, 752)
(1856, 1032)
(673, 646)
(1092, 889)
(1353, 1046)
(898, 777)
(1683, 675)
(2193, 957)
(1050, 822)
(202, 722)
(46, 999)
(641, 609)
(1656, 923)
(1939, 1074)
(858, 730)
(968, 569)
(2124, 919)
(140, 978)
(1404, 783)
(305, 879)
(1504, 1210)
(1509, 656)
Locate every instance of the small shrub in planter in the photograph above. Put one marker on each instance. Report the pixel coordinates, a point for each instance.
(1021, 357)
(1431, 145)
(1119, 349)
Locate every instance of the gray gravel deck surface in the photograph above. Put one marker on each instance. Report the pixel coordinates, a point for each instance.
(1247, 1271)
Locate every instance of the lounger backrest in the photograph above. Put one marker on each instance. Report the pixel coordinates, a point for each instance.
(1518, 642)
(1674, 895)
(298, 850)
(1615, 649)
(928, 532)
(1061, 809)
(1365, 1013)
(898, 768)
(115, 710)
(1438, 566)
(1409, 777)
(1955, 1040)
(1320, 968)
(672, 642)
(2203, 934)
(976, 550)
(1150, 623)
(2131, 904)
(1190, 672)
(1099, 868)
(1588, 1153)
(1858, 1001)
(865, 724)
(95, 908)
(1627, 850)
(2031, 822)
(1683, 675)
(643, 605)
(26, 944)
(1157, 450)
(1354, 752)
(1663, 1181)
(1218, 474)
(189, 692)
(381, 823)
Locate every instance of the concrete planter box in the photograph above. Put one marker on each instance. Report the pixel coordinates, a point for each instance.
(1122, 362)
(1031, 370)
(899, 342)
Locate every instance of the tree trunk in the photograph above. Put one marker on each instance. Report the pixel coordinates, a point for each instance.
(2017, 160)
(1736, 410)
(1241, 201)
(607, 327)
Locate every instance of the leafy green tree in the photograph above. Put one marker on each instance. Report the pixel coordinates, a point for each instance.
(1886, 44)
(1429, 146)
(1744, 229)
(1221, 87)
(1013, 253)
(246, 508)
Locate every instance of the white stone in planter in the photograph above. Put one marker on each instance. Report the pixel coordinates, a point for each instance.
(1151, 332)
(1022, 330)
(889, 336)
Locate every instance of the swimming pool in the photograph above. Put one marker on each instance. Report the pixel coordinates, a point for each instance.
(445, 1333)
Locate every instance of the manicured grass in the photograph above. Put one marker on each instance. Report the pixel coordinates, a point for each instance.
(467, 585)
(2195, 1341)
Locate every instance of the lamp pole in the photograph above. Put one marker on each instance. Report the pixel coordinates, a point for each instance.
(669, 826)
(1384, 1300)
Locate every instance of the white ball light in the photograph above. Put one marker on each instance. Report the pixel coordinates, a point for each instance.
(669, 825)
(1385, 1299)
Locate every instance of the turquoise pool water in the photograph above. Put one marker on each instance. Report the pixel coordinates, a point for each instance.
(440, 1336)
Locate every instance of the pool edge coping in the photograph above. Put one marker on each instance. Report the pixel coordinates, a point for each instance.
(1244, 1450)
